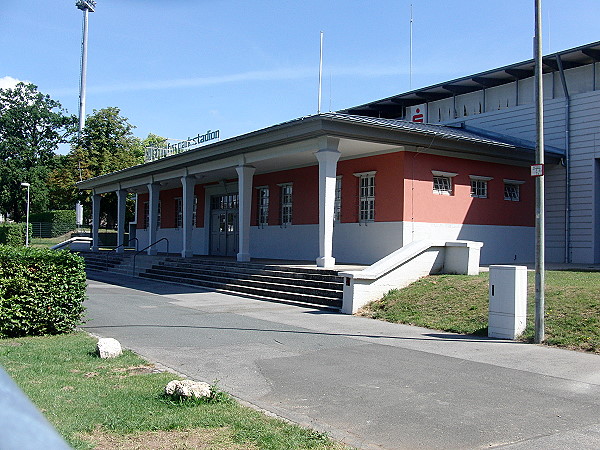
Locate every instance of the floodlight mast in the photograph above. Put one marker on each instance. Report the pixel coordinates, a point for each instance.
(86, 6)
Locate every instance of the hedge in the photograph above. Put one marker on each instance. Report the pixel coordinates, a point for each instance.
(61, 221)
(13, 234)
(41, 291)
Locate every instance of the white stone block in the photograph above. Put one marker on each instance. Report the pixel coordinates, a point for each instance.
(109, 348)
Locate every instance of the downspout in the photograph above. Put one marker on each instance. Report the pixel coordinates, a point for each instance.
(567, 160)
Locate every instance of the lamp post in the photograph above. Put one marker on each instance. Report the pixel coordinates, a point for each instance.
(27, 216)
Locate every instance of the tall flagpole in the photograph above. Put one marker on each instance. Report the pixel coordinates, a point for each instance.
(539, 181)
(411, 48)
(320, 73)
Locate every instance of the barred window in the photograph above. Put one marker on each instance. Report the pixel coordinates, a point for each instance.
(366, 202)
(337, 206)
(479, 186)
(194, 211)
(286, 204)
(442, 182)
(262, 199)
(179, 213)
(511, 192)
(442, 185)
(158, 215)
(146, 214)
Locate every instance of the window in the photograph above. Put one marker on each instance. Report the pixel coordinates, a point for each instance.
(158, 215)
(179, 212)
(366, 203)
(442, 182)
(286, 204)
(194, 212)
(512, 190)
(479, 186)
(337, 206)
(442, 185)
(146, 215)
(262, 199)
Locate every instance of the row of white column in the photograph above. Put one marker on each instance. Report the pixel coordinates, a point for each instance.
(327, 158)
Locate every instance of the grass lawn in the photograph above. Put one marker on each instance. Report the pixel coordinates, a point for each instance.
(119, 403)
(459, 303)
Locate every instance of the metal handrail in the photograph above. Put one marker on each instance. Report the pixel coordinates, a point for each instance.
(116, 248)
(146, 248)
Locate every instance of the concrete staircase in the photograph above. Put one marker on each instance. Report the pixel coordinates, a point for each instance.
(293, 284)
(307, 286)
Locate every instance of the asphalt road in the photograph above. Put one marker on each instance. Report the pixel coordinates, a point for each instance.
(368, 383)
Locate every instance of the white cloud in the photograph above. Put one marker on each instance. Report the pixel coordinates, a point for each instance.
(9, 82)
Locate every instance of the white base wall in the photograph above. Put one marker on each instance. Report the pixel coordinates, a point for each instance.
(501, 244)
(299, 242)
(365, 244)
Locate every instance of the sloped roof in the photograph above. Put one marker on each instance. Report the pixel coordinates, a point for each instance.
(393, 107)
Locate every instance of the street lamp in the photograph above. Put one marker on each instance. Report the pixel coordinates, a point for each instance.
(27, 217)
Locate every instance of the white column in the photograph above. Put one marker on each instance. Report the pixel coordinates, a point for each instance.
(245, 174)
(95, 222)
(188, 182)
(328, 158)
(121, 203)
(153, 193)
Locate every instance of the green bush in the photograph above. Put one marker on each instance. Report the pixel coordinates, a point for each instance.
(13, 234)
(61, 221)
(41, 291)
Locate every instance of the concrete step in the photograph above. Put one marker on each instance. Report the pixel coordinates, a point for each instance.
(232, 279)
(308, 279)
(257, 292)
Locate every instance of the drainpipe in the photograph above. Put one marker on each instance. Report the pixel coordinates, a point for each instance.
(567, 160)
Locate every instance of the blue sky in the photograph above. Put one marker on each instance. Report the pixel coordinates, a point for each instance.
(181, 67)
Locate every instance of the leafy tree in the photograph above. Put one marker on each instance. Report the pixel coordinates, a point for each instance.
(107, 144)
(31, 127)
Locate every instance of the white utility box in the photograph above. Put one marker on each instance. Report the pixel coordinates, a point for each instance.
(508, 301)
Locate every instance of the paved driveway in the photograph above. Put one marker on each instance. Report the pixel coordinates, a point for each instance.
(369, 383)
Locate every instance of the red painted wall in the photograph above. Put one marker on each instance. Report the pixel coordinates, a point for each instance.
(422, 205)
(388, 186)
(305, 194)
(403, 191)
(168, 207)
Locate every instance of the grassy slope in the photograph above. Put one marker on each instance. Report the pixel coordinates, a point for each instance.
(460, 304)
(81, 394)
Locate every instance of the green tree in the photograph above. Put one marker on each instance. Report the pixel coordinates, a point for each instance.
(107, 144)
(32, 125)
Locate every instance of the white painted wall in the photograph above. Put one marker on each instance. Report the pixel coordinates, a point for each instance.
(300, 242)
(502, 244)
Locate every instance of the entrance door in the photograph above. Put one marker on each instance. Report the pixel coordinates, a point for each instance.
(224, 236)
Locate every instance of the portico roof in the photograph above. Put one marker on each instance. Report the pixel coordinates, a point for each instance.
(293, 144)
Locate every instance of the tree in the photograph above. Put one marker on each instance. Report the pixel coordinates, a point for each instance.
(107, 144)
(32, 125)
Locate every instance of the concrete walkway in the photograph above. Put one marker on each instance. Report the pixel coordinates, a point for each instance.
(370, 384)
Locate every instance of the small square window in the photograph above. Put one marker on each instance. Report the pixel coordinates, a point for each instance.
(479, 188)
(442, 185)
(511, 192)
